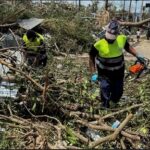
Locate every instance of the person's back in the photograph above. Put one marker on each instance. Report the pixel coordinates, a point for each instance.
(35, 50)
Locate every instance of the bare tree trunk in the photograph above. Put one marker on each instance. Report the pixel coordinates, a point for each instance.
(142, 10)
(76, 3)
(135, 24)
(106, 4)
(129, 10)
(79, 4)
(135, 10)
(94, 5)
(123, 10)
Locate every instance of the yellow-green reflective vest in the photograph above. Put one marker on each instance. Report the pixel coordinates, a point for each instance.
(33, 45)
(107, 50)
(110, 56)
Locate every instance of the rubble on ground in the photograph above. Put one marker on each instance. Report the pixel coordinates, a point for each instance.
(58, 107)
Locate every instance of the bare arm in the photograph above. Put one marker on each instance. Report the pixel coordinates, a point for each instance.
(92, 56)
(92, 65)
(130, 49)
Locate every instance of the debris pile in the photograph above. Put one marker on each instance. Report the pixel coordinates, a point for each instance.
(58, 107)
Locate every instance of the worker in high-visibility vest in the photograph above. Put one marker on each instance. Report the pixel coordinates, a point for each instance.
(35, 53)
(106, 56)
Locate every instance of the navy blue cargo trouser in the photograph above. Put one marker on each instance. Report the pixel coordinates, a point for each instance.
(111, 89)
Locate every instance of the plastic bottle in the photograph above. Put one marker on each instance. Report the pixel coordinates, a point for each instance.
(115, 124)
(139, 112)
(92, 134)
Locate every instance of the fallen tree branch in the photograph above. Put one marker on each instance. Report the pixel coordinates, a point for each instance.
(107, 128)
(112, 136)
(86, 115)
(121, 111)
(8, 25)
(135, 24)
(22, 73)
(122, 143)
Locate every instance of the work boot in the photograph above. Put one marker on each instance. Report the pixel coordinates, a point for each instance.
(105, 104)
(114, 104)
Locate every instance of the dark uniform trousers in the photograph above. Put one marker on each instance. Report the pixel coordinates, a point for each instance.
(111, 86)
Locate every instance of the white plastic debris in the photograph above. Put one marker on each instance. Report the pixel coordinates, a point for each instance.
(92, 134)
(5, 92)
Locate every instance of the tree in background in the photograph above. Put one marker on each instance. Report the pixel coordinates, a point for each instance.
(106, 5)
(141, 10)
(135, 16)
(95, 5)
(129, 10)
(123, 11)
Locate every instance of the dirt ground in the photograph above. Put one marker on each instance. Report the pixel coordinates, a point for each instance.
(143, 47)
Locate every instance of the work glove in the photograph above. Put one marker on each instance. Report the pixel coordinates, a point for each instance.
(140, 58)
(94, 77)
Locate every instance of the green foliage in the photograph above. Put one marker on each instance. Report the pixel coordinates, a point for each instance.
(70, 136)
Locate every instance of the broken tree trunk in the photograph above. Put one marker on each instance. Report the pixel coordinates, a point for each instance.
(135, 24)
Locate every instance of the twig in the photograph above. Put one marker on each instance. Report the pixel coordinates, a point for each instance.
(13, 120)
(8, 25)
(122, 143)
(14, 37)
(72, 147)
(133, 137)
(131, 142)
(81, 137)
(42, 116)
(84, 115)
(44, 91)
(103, 127)
(78, 135)
(10, 111)
(112, 136)
(16, 126)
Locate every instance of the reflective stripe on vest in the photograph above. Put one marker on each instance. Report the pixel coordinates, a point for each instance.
(33, 45)
(110, 55)
(111, 64)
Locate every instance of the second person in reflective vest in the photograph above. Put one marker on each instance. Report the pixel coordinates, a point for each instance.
(35, 53)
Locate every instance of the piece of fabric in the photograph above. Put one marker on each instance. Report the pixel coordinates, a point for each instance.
(110, 90)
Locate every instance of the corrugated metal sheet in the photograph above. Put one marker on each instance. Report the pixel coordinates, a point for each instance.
(29, 23)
